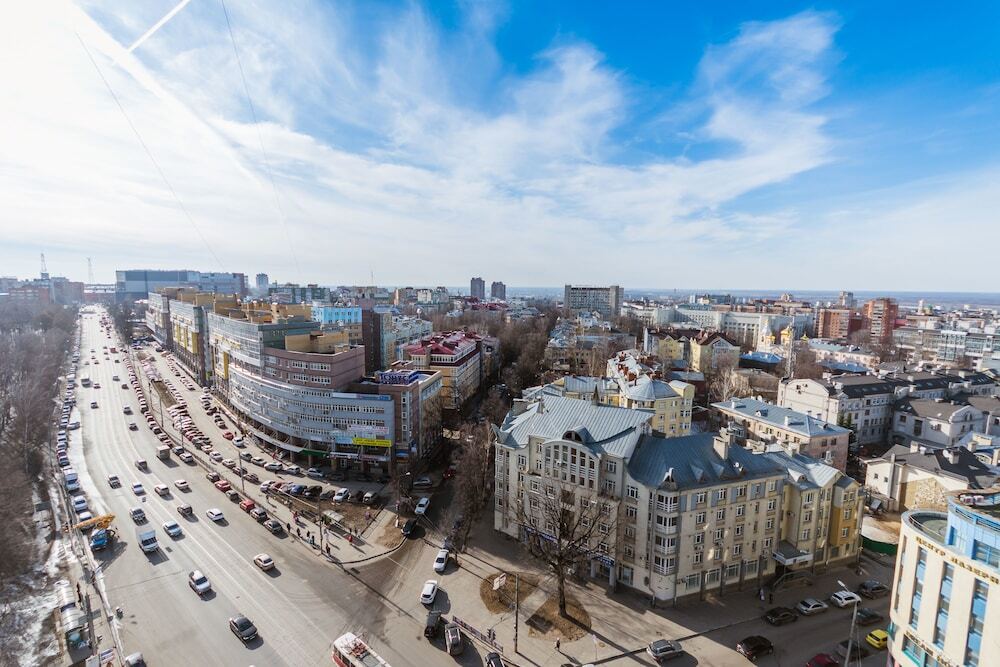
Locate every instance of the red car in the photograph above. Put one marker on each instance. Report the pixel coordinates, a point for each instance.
(223, 485)
(823, 660)
(228, 435)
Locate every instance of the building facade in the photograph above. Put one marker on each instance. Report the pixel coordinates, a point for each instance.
(880, 318)
(862, 403)
(498, 291)
(607, 301)
(837, 323)
(945, 593)
(460, 357)
(477, 288)
(711, 350)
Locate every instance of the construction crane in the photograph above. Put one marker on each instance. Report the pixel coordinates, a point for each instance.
(45, 270)
(102, 522)
(104, 536)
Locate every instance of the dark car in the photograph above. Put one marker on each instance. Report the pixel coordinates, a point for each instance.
(664, 649)
(493, 659)
(433, 624)
(868, 616)
(823, 660)
(273, 526)
(754, 646)
(780, 616)
(872, 589)
(213, 476)
(242, 627)
(857, 650)
(408, 527)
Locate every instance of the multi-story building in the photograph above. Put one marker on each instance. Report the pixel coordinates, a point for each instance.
(947, 343)
(339, 314)
(158, 315)
(462, 357)
(498, 291)
(880, 318)
(223, 283)
(669, 343)
(945, 589)
(710, 350)
(188, 329)
(837, 323)
(583, 344)
(862, 403)
(292, 293)
(477, 288)
(607, 301)
(822, 509)
(763, 424)
(754, 329)
(920, 476)
(138, 283)
(848, 355)
(934, 421)
(262, 283)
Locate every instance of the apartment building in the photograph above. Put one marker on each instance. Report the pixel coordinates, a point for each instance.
(759, 424)
(828, 351)
(669, 343)
(880, 318)
(583, 344)
(188, 329)
(138, 283)
(934, 421)
(607, 301)
(945, 592)
(498, 291)
(755, 329)
(822, 510)
(463, 358)
(862, 403)
(837, 323)
(158, 315)
(477, 288)
(711, 350)
(292, 293)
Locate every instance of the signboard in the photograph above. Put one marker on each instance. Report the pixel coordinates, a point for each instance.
(371, 442)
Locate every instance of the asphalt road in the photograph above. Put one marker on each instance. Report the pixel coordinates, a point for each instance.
(299, 608)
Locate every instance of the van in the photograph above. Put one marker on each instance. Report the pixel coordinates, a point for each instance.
(163, 452)
(147, 539)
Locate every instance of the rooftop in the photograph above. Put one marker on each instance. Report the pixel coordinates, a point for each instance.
(782, 417)
(957, 463)
(805, 471)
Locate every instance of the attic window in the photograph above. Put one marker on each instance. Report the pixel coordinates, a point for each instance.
(572, 436)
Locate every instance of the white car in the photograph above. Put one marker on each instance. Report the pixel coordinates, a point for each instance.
(172, 529)
(264, 562)
(441, 560)
(186, 457)
(272, 466)
(429, 592)
(845, 598)
(229, 463)
(162, 490)
(811, 606)
(198, 582)
(215, 514)
(182, 485)
(422, 505)
(137, 489)
(79, 503)
(341, 495)
(293, 469)
(215, 456)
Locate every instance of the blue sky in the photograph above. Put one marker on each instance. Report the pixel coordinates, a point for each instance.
(740, 145)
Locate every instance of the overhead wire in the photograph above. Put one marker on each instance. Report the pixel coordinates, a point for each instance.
(260, 139)
(149, 153)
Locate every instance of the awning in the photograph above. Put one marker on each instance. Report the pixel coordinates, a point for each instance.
(788, 554)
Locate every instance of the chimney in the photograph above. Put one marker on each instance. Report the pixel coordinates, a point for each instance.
(914, 447)
(788, 420)
(721, 444)
(972, 443)
(995, 458)
(951, 455)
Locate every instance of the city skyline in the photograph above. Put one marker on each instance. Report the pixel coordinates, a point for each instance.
(696, 137)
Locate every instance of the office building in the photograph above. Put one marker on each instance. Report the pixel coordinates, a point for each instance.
(607, 301)
(498, 291)
(136, 284)
(291, 293)
(262, 283)
(945, 590)
(477, 288)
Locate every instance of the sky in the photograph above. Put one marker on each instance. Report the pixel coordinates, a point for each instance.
(656, 145)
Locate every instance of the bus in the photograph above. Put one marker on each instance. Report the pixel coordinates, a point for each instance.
(349, 650)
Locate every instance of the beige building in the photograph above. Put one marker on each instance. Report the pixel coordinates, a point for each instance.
(711, 350)
(462, 357)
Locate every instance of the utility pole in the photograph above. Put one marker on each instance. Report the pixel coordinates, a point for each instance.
(517, 607)
(854, 620)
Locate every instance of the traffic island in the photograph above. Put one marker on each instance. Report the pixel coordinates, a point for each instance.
(546, 623)
(501, 600)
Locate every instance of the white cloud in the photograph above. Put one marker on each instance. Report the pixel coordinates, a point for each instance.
(397, 148)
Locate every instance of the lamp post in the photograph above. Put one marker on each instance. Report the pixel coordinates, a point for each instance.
(854, 619)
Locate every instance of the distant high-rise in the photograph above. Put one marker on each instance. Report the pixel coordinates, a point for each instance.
(880, 318)
(477, 288)
(604, 300)
(846, 299)
(262, 282)
(498, 290)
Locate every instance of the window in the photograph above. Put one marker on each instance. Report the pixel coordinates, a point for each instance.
(808, 498)
(632, 492)
(721, 494)
(944, 602)
(806, 534)
(609, 485)
(918, 587)
(985, 553)
(741, 510)
(718, 534)
(699, 498)
(631, 511)
(696, 559)
(771, 504)
(739, 529)
(522, 461)
(847, 513)
(741, 491)
(843, 532)
(611, 466)
(720, 515)
(807, 516)
(699, 518)
(976, 618)
(699, 538)
(733, 570)
(772, 485)
(664, 564)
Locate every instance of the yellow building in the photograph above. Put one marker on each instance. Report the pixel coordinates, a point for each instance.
(712, 350)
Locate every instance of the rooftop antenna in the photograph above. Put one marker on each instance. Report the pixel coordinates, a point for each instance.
(45, 271)
(90, 272)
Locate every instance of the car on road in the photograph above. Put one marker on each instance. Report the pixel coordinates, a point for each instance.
(137, 515)
(114, 482)
(133, 426)
(238, 442)
(135, 660)
(754, 646)
(780, 616)
(223, 485)
(873, 589)
(259, 514)
(264, 562)
(408, 527)
(877, 639)
(845, 598)
(369, 497)
(423, 483)
(243, 628)
(215, 456)
(273, 526)
(341, 495)
(198, 582)
(664, 649)
(229, 463)
(172, 528)
(246, 505)
(213, 476)
(811, 606)
(493, 659)
(252, 478)
(823, 660)
(79, 503)
(142, 465)
(246, 456)
(422, 505)
(233, 495)
(433, 624)
(137, 489)
(272, 466)
(93, 404)
(185, 510)
(429, 591)
(186, 457)
(293, 470)
(868, 616)
(228, 435)
(258, 460)
(441, 560)
(453, 639)
(858, 651)
(162, 490)
(182, 485)
(127, 410)
(215, 514)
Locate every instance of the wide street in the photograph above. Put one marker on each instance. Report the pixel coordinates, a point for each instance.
(299, 608)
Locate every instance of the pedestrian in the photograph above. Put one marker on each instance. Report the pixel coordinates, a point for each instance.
(288, 527)
(298, 531)
(328, 550)
(761, 594)
(558, 646)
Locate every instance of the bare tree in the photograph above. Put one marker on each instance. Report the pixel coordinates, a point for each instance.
(725, 382)
(566, 526)
(473, 479)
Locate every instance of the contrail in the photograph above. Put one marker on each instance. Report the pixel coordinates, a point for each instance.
(156, 26)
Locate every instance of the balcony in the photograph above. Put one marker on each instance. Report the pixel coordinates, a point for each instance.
(931, 524)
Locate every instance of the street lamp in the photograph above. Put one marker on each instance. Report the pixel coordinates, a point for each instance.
(854, 619)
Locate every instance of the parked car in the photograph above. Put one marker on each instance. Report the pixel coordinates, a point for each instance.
(754, 646)
(272, 466)
(845, 598)
(369, 497)
(408, 527)
(429, 591)
(341, 495)
(453, 639)
(198, 582)
(315, 473)
(423, 483)
(247, 504)
(259, 514)
(493, 659)
(223, 485)
(857, 650)
(664, 649)
(873, 589)
(441, 560)
(877, 639)
(811, 606)
(823, 660)
(273, 526)
(213, 477)
(293, 470)
(422, 505)
(780, 616)
(433, 624)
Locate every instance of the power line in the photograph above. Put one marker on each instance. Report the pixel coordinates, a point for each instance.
(260, 140)
(149, 153)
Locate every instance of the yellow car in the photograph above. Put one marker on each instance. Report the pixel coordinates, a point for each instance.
(877, 638)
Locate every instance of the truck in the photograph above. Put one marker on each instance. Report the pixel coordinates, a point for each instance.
(163, 452)
(102, 539)
(146, 537)
(85, 382)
